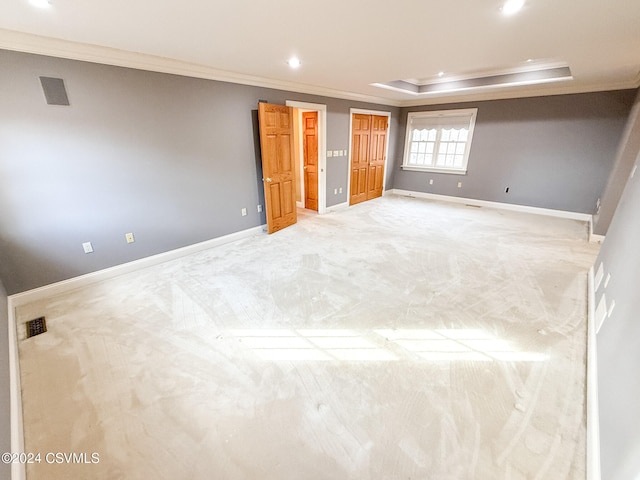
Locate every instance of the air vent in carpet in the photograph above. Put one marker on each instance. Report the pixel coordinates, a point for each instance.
(36, 327)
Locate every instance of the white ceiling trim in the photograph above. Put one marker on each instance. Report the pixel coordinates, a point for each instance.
(524, 92)
(29, 43)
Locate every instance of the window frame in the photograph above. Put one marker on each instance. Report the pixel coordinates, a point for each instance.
(470, 112)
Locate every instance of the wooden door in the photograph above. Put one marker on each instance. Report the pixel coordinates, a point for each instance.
(360, 140)
(368, 154)
(377, 153)
(310, 167)
(276, 142)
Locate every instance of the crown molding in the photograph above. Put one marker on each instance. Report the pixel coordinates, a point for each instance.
(40, 45)
(524, 92)
(30, 43)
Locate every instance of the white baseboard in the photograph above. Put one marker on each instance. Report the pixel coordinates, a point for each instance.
(593, 425)
(18, 470)
(583, 217)
(594, 238)
(339, 206)
(57, 288)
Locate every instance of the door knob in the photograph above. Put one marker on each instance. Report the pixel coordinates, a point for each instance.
(268, 180)
(304, 168)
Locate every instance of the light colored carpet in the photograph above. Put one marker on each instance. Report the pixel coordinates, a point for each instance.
(397, 339)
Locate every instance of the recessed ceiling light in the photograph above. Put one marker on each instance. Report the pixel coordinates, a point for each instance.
(294, 62)
(512, 6)
(40, 3)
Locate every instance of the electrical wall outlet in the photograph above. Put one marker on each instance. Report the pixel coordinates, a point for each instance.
(259, 208)
(244, 212)
(459, 184)
(88, 248)
(431, 181)
(130, 238)
(340, 190)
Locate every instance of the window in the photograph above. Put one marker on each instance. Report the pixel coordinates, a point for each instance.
(439, 141)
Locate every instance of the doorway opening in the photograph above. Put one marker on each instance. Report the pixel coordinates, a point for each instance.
(310, 126)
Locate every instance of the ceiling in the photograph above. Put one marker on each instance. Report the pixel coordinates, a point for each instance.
(344, 46)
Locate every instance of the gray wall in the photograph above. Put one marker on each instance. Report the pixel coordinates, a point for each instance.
(5, 420)
(618, 342)
(625, 160)
(175, 159)
(552, 152)
(171, 159)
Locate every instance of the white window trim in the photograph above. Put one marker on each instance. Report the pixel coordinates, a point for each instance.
(472, 112)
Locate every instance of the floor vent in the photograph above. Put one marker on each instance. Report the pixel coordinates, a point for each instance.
(36, 327)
